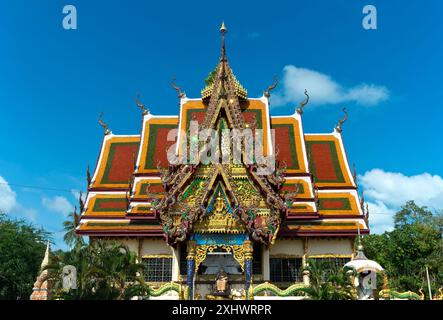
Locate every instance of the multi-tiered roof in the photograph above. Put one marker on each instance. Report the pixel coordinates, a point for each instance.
(135, 191)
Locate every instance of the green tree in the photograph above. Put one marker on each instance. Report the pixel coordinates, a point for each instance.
(415, 242)
(69, 226)
(106, 270)
(22, 247)
(327, 283)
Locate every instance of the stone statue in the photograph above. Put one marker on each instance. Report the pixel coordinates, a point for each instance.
(69, 277)
(364, 288)
(221, 282)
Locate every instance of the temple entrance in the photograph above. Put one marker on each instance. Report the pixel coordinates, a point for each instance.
(219, 276)
(221, 266)
(219, 252)
(220, 259)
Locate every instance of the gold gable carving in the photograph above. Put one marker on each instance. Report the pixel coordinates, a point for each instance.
(219, 221)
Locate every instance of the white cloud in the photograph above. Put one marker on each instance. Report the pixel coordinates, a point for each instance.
(388, 191)
(8, 198)
(394, 189)
(22, 212)
(10, 205)
(58, 204)
(381, 218)
(322, 89)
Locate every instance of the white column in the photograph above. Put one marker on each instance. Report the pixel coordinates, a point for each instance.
(265, 263)
(175, 264)
(306, 280)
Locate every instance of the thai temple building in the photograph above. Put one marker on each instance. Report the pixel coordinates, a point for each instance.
(225, 227)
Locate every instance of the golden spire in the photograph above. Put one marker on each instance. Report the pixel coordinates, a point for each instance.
(223, 30)
(223, 27)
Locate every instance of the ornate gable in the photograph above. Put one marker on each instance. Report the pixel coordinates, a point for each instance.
(224, 110)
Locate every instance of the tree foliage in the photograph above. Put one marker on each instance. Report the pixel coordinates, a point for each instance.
(106, 270)
(22, 247)
(415, 242)
(69, 226)
(328, 283)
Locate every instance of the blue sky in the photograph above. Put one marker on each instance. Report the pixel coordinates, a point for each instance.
(54, 83)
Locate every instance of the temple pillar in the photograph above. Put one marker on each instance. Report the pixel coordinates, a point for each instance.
(248, 249)
(191, 269)
(175, 264)
(265, 264)
(306, 280)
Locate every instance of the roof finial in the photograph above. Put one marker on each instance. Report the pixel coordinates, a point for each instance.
(223, 30)
(80, 202)
(267, 92)
(362, 201)
(341, 121)
(354, 175)
(103, 124)
(88, 176)
(302, 104)
(181, 94)
(367, 213)
(144, 110)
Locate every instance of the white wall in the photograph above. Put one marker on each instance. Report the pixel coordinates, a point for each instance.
(330, 246)
(287, 247)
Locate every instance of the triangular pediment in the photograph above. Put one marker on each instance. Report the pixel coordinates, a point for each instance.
(253, 198)
(219, 216)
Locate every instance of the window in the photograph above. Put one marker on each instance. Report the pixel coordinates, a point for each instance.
(329, 266)
(334, 263)
(285, 270)
(158, 269)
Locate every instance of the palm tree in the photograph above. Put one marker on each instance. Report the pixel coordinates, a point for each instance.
(69, 226)
(106, 270)
(327, 283)
(114, 266)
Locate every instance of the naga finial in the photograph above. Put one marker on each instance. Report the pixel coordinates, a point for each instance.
(88, 176)
(267, 92)
(181, 94)
(80, 202)
(129, 193)
(367, 213)
(317, 199)
(103, 124)
(341, 121)
(354, 174)
(302, 104)
(362, 201)
(142, 107)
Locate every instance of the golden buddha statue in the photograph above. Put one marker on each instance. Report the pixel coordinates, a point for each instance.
(221, 282)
